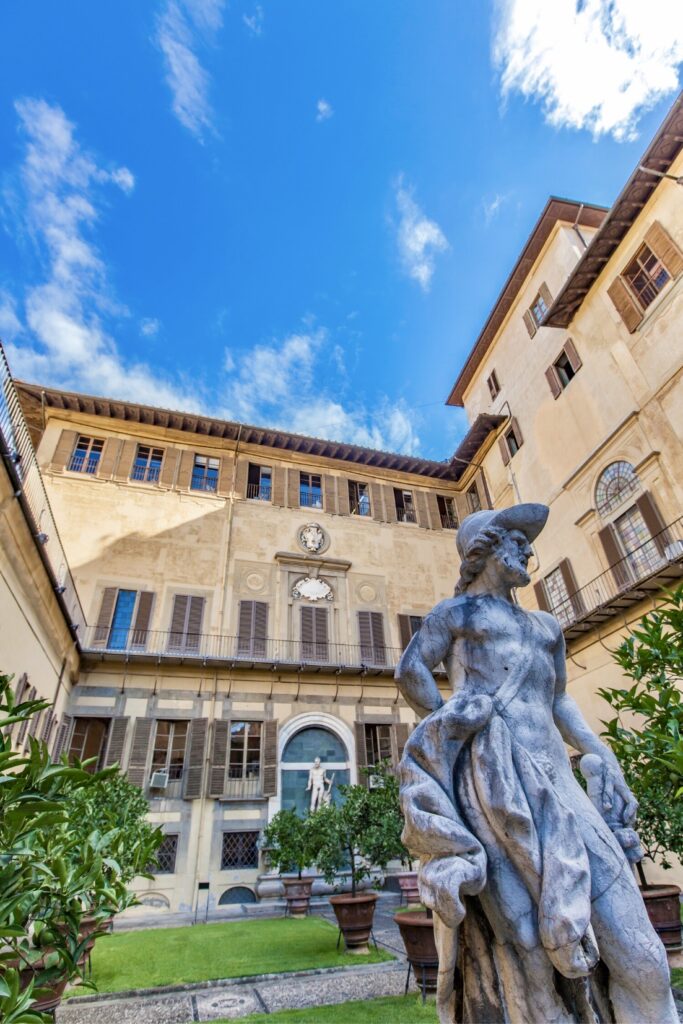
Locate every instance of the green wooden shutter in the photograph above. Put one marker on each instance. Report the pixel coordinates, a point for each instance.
(193, 774)
(137, 761)
(118, 727)
(219, 757)
(270, 766)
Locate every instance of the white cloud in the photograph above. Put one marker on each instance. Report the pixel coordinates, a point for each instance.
(254, 22)
(63, 339)
(279, 384)
(419, 239)
(183, 28)
(594, 64)
(492, 207)
(324, 110)
(10, 325)
(149, 326)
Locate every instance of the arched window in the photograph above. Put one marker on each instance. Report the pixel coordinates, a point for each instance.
(618, 482)
(236, 894)
(297, 760)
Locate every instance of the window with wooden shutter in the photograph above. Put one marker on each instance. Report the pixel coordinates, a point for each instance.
(193, 773)
(241, 478)
(559, 597)
(142, 619)
(533, 317)
(64, 450)
(378, 743)
(186, 623)
(493, 385)
(529, 322)
(278, 485)
(86, 456)
(653, 520)
(564, 369)
(615, 559)
(625, 304)
(253, 628)
(260, 483)
(62, 737)
(23, 728)
(448, 517)
(401, 734)
(139, 751)
(422, 510)
(512, 440)
(371, 631)
(314, 633)
(225, 476)
(118, 728)
(361, 752)
(186, 470)
(408, 625)
(219, 756)
(658, 239)
(293, 479)
(124, 466)
(169, 469)
(330, 493)
(376, 505)
(270, 765)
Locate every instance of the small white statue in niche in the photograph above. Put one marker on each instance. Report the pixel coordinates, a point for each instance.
(312, 538)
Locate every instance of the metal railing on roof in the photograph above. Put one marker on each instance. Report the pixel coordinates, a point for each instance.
(18, 454)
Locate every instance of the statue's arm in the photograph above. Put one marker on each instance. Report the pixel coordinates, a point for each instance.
(428, 648)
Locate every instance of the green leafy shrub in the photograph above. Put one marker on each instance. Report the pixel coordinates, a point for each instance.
(290, 842)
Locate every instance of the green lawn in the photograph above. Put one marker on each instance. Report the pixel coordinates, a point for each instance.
(677, 977)
(390, 1010)
(171, 956)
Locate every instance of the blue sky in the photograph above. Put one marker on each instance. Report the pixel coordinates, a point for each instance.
(300, 213)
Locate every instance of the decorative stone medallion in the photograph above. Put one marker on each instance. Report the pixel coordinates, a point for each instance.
(313, 539)
(312, 589)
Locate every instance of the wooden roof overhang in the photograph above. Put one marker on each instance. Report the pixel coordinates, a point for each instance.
(638, 190)
(556, 209)
(473, 440)
(207, 426)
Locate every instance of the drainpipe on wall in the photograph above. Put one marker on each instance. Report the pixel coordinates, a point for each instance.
(577, 229)
(202, 807)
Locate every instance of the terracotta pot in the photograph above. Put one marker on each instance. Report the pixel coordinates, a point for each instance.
(417, 931)
(407, 882)
(298, 895)
(53, 990)
(90, 928)
(354, 915)
(663, 906)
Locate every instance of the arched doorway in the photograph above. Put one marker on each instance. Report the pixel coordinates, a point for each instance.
(298, 756)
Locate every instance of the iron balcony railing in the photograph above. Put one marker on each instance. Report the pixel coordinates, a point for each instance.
(16, 450)
(259, 492)
(236, 649)
(406, 515)
(310, 498)
(654, 555)
(84, 462)
(449, 522)
(148, 474)
(203, 482)
(362, 508)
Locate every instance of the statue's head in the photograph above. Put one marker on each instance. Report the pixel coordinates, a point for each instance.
(316, 763)
(501, 539)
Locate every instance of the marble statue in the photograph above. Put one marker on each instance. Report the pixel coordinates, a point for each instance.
(317, 781)
(537, 914)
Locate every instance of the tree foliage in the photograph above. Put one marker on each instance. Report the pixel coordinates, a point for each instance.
(290, 842)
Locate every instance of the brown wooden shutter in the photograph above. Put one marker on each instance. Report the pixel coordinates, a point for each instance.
(344, 501)
(252, 628)
(572, 355)
(541, 596)
(270, 757)
(118, 727)
(371, 633)
(241, 477)
(376, 503)
(178, 620)
(401, 732)
(504, 450)
(307, 629)
(137, 761)
(365, 635)
(555, 386)
(653, 520)
(260, 627)
(514, 424)
(293, 487)
(109, 458)
(225, 476)
(244, 626)
(405, 632)
(422, 509)
(106, 613)
(545, 294)
(361, 752)
(575, 598)
(530, 323)
(219, 757)
(143, 614)
(390, 504)
(314, 633)
(193, 773)
(185, 471)
(625, 303)
(64, 450)
(195, 617)
(330, 493)
(125, 463)
(63, 737)
(169, 467)
(434, 512)
(615, 559)
(47, 724)
(278, 485)
(664, 248)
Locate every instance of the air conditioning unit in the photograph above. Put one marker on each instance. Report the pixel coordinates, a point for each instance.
(159, 780)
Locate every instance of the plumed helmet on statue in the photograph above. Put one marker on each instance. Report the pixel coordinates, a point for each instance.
(529, 518)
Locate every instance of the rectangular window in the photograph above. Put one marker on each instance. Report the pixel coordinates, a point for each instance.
(166, 855)
(513, 438)
(252, 629)
(643, 554)
(314, 634)
(564, 369)
(122, 619)
(405, 508)
(377, 744)
(260, 482)
(473, 499)
(371, 630)
(310, 491)
(186, 622)
(239, 850)
(493, 385)
(408, 626)
(539, 308)
(359, 499)
(646, 276)
(447, 513)
(89, 739)
(85, 457)
(147, 464)
(168, 754)
(205, 473)
(244, 755)
(558, 597)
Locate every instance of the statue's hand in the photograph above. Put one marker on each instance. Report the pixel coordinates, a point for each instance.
(608, 791)
(615, 783)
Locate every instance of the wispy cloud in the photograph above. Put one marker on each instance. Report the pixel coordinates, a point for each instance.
(149, 326)
(60, 336)
(419, 239)
(184, 28)
(279, 384)
(324, 110)
(492, 207)
(254, 22)
(593, 64)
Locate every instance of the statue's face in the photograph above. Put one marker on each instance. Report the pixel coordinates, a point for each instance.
(316, 763)
(510, 558)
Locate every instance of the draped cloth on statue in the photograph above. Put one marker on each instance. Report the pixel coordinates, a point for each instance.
(504, 857)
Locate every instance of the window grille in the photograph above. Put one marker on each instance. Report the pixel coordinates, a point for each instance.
(239, 850)
(166, 855)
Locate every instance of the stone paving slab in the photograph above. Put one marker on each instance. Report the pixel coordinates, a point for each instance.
(171, 1010)
(322, 990)
(229, 1004)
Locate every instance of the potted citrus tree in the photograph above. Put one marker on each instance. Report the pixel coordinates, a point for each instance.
(289, 841)
(646, 735)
